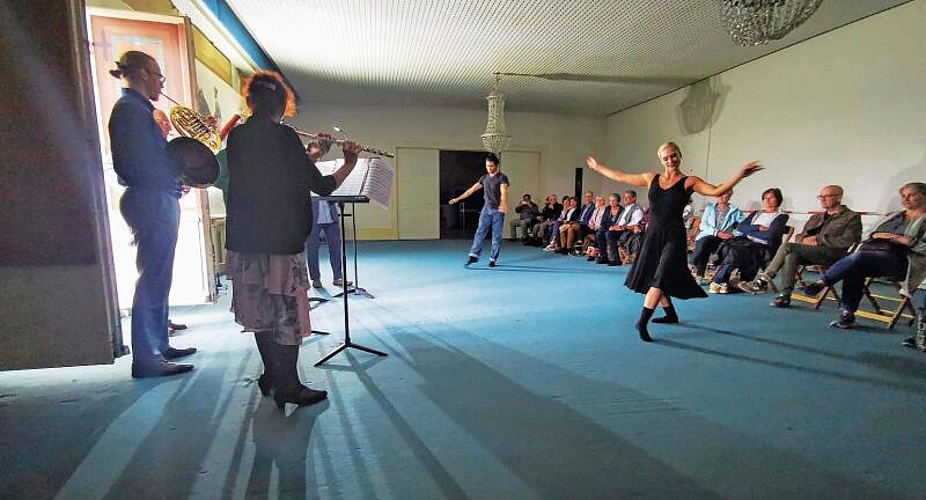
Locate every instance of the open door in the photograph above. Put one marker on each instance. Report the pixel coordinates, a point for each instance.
(167, 39)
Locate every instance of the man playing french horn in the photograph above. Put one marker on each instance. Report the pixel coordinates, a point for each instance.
(150, 208)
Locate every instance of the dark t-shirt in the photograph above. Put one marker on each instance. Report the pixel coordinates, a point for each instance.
(493, 188)
(269, 180)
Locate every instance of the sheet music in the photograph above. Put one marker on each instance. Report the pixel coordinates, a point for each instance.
(371, 178)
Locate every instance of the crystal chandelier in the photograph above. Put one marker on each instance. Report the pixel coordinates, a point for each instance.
(495, 138)
(755, 22)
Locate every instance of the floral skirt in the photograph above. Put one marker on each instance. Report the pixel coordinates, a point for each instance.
(270, 294)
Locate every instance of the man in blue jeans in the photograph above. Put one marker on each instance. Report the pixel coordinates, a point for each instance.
(493, 212)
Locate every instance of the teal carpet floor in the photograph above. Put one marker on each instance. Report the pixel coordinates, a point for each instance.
(520, 382)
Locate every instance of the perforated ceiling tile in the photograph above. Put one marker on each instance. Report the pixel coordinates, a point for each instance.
(443, 52)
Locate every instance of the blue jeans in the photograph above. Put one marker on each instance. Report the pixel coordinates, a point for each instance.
(489, 217)
(154, 218)
(853, 269)
(333, 237)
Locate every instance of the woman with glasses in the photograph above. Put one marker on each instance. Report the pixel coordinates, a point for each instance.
(150, 208)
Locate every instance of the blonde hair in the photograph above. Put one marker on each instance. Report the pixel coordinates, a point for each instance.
(667, 145)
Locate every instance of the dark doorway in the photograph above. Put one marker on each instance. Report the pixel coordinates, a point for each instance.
(459, 170)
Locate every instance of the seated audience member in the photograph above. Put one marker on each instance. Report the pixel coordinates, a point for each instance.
(570, 215)
(550, 213)
(611, 218)
(594, 223)
(826, 238)
(895, 248)
(759, 236)
(620, 233)
(586, 214)
(629, 247)
(717, 224)
(527, 212)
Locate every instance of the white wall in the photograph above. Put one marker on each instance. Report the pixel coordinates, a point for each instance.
(847, 107)
(562, 141)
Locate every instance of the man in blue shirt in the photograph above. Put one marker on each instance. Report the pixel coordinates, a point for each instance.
(150, 208)
(493, 212)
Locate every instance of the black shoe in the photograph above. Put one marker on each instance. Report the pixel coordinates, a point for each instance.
(845, 321)
(782, 300)
(814, 288)
(666, 319)
(614, 263)
(492, 263)
(302, 396)
(172, 353)
(644, 333)
(162, 369)
(602, 261)
(471, 260)
(175, 326)
(590, 258)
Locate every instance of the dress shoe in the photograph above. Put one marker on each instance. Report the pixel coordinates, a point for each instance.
(782, 300)
(302, 396)
(172, 353)
(162, 369)
(602, 261)
(176, 326)
(340, 282)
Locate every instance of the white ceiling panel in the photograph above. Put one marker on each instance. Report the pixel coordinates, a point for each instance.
(443, 52)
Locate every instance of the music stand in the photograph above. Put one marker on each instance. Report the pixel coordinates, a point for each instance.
(344, 293)
(357, 289)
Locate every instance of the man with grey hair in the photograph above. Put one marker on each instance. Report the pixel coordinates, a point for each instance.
(826, 238)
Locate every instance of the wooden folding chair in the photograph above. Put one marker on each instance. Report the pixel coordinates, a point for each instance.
(891, 317)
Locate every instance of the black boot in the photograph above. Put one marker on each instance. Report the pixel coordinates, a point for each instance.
(645, 315)
(290, 388)
(670, 316)
(267, 380)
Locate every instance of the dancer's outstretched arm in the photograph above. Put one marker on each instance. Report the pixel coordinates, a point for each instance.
(705, 188)
(642, 180)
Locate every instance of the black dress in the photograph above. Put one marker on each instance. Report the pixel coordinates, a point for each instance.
(662, 261)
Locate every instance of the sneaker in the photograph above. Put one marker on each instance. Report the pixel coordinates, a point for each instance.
(782, 300)
(316, 283)
(713, 287)
(549, 248)
(471, 260)
(340, 282)
(492, 263)
(724, 288)
(911, 343)
(845, 321)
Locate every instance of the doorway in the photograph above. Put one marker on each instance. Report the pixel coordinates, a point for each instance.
(459, 170)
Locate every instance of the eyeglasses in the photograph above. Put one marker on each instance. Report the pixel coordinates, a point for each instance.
(160, 76)
(822, 196)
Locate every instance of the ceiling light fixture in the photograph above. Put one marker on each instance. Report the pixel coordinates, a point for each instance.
(496, 138)
(756, 22)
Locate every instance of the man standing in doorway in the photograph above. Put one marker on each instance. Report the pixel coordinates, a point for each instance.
(493, 212)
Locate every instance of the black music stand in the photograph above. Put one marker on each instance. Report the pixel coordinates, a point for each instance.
(344, 292)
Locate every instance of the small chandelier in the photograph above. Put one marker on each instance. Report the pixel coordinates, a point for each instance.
(495, 139)
(755, 22)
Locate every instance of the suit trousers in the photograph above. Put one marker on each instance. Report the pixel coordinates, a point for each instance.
(154, 219)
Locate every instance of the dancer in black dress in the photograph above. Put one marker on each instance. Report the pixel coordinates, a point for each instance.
(661, 270)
